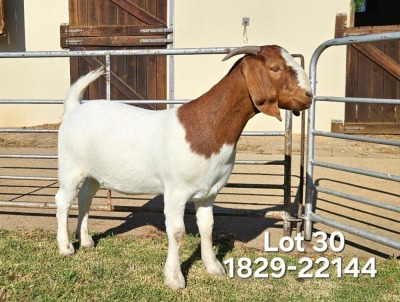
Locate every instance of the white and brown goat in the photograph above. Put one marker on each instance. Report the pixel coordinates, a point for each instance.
(185, 153)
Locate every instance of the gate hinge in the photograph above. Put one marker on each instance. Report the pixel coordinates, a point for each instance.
(156, 40)
(285, 216)
(74, 31)
(156, 30)
(73, 42)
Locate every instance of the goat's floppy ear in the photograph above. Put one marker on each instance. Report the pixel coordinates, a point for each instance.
(261, 89)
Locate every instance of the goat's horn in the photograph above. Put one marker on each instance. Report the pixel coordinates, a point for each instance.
(249, 50)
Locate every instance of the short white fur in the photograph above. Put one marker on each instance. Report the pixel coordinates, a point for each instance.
(304, 81)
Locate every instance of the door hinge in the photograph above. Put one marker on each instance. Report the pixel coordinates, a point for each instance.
(74, 31)
(73, 42)
(156, 40)
(156, 30)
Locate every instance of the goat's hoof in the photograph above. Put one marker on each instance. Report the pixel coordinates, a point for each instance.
(68, 250)
(175, 282)
(87, 242)
(215, 268)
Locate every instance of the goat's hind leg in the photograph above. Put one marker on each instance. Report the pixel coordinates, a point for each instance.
(205, 222)
(64, 198)
(86, 193)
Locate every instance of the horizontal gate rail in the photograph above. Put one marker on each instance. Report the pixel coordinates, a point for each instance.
(119, 52)
(356, 100)
(355, 170)
(359, 138)
(358, 199)
(311, 188)
(356, 231)
(287, 133)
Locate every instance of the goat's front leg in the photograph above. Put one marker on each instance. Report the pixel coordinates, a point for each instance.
(174, 210)
(205, 222)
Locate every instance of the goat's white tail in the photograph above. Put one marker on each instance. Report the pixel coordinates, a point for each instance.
(75, 92)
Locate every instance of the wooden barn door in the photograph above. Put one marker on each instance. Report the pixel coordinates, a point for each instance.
(119, 24)
(373, 69)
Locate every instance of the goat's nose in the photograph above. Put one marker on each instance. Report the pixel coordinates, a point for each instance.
(309, 94)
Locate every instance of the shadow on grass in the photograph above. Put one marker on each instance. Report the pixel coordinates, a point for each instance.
(223, 243)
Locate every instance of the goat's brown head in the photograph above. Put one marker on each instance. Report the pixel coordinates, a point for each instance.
(274, 79)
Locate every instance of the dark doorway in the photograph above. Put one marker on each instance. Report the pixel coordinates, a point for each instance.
(377, 13)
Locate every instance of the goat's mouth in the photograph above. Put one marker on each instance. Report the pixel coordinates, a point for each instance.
(297, 105)
(301, 107)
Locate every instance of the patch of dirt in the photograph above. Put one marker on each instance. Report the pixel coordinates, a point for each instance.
(38, 140)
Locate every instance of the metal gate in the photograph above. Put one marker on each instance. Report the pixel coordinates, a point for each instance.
(312, 186)
(51, 179)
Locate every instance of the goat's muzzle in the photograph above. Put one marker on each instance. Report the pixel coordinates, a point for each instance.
(304, 104)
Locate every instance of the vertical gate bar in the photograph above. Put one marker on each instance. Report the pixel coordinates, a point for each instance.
(109, 201)
(301, 172)
(108, 97)
(108, 77)
(300, 195)
(309, 199)
(171, 58)
(287, 173)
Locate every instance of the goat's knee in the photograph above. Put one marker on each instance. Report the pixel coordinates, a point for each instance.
(205, 222)
(179, 235)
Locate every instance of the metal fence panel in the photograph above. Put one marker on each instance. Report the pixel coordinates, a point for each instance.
(311, 188)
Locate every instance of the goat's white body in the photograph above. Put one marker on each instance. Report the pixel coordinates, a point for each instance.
(137, 151)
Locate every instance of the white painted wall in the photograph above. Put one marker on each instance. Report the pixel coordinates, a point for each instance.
(35, 78)
(299, 26)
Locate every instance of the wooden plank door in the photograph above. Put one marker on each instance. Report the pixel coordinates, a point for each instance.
(373, 71)
(119, 24)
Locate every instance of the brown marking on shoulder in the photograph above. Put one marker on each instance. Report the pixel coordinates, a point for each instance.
(256, 83)
(218, 117)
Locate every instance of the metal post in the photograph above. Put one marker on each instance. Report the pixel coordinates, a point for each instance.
(309, 199)
(287, 228)
(108, 97)
(108, 77)
(171, 59)
(301, 172)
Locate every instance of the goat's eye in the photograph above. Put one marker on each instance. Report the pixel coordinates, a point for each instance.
(275, 68)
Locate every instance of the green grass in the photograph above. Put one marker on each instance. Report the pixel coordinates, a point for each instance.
(130, 269)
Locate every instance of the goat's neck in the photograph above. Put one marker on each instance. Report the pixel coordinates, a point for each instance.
(219, 116)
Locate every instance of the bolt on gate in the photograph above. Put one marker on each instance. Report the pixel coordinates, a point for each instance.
(286, 162)
(312, 187)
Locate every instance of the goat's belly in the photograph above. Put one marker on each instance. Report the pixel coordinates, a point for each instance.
(128, 178)
(147, 187)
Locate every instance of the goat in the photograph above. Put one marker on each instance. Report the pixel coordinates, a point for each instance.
(185, 153)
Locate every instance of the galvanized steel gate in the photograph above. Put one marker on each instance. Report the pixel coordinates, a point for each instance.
(288, 217)
(312, 187)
